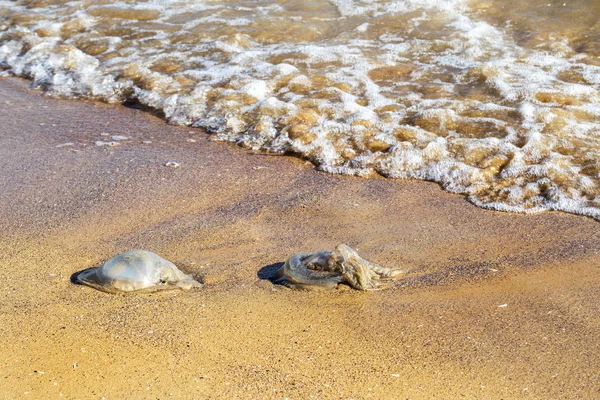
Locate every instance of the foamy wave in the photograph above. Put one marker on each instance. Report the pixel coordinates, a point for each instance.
(408, 89)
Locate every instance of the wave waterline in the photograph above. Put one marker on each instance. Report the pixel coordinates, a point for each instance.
(427, 89)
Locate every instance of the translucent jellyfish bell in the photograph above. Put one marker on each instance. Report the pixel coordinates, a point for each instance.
(136, 270)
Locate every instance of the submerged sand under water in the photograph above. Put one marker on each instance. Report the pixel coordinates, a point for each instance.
(495, 100)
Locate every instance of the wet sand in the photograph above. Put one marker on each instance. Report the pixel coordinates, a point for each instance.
(495, 306)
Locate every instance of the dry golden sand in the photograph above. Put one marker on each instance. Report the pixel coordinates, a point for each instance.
(225, 215)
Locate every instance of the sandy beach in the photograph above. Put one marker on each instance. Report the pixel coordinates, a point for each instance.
(494, 306)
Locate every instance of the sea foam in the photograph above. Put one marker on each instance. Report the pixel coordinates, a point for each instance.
(424, 89)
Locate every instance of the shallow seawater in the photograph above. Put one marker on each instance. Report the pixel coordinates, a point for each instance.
(497, 100)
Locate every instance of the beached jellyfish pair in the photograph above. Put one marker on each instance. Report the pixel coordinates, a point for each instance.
(144, 271)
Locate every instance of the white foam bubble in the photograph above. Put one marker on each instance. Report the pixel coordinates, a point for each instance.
(257, 89)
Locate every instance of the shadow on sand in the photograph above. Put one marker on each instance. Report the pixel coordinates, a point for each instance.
(268, 271)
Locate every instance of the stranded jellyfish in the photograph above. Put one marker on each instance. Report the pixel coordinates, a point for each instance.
(136, 270)
(327, 269)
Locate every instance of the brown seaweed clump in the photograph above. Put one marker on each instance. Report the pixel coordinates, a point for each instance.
(325, 269)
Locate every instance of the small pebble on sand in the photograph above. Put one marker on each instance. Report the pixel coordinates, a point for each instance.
(119, 137)
(109, 144)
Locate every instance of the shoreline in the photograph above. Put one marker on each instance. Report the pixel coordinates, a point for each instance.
(224, 214)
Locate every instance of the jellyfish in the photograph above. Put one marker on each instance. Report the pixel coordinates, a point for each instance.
(134, 271)
(325, 269)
